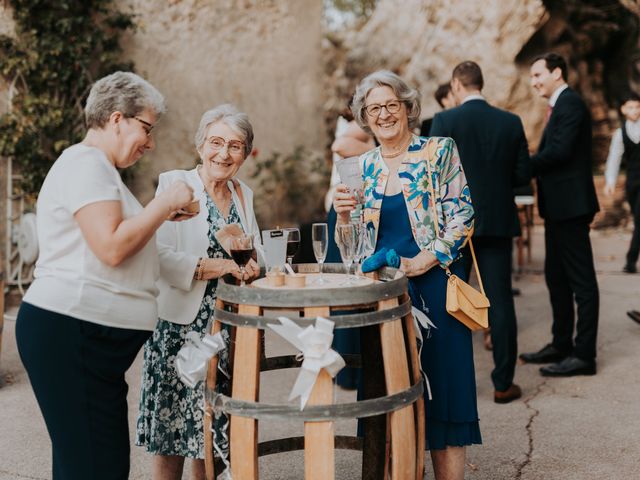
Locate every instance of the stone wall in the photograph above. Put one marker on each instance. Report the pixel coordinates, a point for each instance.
(425, 39)
(262, 55)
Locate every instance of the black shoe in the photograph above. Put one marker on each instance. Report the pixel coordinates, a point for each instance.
(629, 268)
(548, 354)
(569, 367)
(634, 315)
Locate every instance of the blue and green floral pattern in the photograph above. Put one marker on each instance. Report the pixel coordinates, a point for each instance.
(452, 202)
(170, 421)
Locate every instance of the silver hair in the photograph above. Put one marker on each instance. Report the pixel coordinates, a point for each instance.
(385, 78)
(123, 92)
(235, 119)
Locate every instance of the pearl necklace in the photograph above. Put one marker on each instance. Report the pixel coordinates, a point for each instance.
(400, 151)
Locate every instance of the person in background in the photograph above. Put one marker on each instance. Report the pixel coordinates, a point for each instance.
(495, 157)
(567, 202)
(625, 145)
(170, 422)
(92, 304)
(399, 204)
(445, 99)
(350, 141)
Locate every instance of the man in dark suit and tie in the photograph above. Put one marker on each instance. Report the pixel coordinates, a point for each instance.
(494, 155)
(567, 201)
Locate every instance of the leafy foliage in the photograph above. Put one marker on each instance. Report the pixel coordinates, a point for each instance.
(291, 187)
(59, 49)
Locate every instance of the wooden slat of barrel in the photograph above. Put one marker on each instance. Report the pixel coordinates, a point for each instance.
(246, 375)
(416, 375)
(396, 369)
(319, 442)
(212, 375)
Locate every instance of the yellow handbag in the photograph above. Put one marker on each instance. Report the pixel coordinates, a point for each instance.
(464, 302)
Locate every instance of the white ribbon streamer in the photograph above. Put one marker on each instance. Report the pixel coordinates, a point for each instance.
(193, 358)
(314, 343)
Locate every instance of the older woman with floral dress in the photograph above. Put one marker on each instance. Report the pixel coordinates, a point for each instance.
(399, 177)
(170, 424)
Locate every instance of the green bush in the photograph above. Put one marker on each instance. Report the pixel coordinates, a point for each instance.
(59, 49)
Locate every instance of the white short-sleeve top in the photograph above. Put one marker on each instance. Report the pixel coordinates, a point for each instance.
(69, 278)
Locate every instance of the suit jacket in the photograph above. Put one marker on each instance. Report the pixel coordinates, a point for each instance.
(180, 244)
(563, 163)
(495, 158)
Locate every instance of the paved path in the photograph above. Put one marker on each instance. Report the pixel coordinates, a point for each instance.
(578, 428)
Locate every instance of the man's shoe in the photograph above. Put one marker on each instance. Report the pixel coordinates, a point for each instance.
(629, 268)
(512, 393)
(634, 315)
(569, 367)
(548, 354)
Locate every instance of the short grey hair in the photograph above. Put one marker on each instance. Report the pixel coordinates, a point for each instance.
(235, 119)
(123, 92)
(385, 78)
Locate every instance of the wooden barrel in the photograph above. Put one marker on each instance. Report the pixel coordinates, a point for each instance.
(392, 409)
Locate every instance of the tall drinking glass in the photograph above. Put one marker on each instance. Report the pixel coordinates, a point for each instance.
(358, 256)
(320, 242)
(347, 245)
(293, 242)
(241, 251)
(368, 244)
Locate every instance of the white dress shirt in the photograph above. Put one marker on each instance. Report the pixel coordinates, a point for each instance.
(554, 96)
(473, 97)
(616, 150)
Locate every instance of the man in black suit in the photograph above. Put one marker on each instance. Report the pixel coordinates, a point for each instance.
(567, 201)
(494, 154)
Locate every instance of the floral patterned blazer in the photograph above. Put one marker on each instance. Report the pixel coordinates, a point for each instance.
(452, 199)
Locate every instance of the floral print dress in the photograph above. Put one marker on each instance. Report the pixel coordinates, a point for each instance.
(170, 421)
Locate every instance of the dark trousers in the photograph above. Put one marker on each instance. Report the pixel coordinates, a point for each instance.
(76, 369)
(494, 256)
(633, 197)
(570, 275)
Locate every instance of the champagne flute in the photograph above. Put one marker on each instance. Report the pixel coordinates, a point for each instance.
(368, 242)
(241, 251)
(293, 242)
(320, 242)
(358, 255)
(347, 246)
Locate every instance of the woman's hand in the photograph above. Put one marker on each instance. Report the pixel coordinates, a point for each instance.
(218, 267)
(343, 203)
(177, 196)
(424, 261)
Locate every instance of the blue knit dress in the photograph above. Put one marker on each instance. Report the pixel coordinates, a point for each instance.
(447, 353)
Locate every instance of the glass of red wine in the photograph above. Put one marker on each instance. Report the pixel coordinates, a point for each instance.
(293, 242)
(241, 251)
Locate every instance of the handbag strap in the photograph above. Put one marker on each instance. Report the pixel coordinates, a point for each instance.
(435, 219)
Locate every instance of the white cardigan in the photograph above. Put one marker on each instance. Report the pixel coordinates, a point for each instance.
(181, 244)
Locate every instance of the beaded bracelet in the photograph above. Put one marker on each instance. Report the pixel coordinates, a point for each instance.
(201, 270)
(199, 273)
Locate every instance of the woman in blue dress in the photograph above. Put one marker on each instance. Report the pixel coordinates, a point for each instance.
(428, 231)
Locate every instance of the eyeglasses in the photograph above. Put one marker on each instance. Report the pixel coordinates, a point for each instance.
(234, 147)
(375, 109)
(148, 127)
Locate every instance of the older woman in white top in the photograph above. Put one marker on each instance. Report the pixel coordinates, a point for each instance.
(92, 304)
(192, 259)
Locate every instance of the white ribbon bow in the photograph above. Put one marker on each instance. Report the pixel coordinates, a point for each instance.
(193, 358)
(314, 343)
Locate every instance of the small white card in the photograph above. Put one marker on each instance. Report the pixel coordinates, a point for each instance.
(350, 174)
(275, 248)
